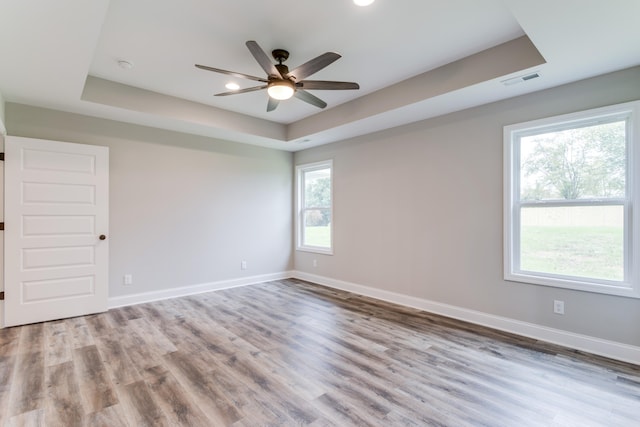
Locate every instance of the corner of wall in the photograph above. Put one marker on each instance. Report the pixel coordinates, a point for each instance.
(3, 129)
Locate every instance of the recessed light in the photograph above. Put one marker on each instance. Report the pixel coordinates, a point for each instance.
(124, 64)
(232, 86)
(363, 2)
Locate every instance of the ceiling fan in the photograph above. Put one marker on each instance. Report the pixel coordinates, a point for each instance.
(281, 83)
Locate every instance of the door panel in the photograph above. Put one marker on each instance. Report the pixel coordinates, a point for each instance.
(38, 194)
(47, 290)
(56, 207)
(48, 225)
(70, 256)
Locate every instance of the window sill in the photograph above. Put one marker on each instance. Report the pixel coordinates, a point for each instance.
(621, 289)
(315, 250)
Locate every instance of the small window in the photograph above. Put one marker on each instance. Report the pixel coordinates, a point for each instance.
(315, 206)
(570, 187)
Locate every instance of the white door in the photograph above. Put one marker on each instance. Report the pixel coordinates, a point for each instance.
(56, 225)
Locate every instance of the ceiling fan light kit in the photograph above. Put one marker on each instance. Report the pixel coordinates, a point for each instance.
(282, 84)
(280, 89)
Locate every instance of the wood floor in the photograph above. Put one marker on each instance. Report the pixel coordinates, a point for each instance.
(292, 353)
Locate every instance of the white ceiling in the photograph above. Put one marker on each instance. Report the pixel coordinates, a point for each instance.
(413, 59)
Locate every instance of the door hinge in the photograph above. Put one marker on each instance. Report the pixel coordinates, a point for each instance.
(1, 157)
(1, 226)
(2, 296)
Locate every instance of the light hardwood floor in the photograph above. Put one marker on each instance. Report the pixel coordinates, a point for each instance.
(292, 353)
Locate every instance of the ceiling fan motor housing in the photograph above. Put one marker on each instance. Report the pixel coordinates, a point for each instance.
(283, 69)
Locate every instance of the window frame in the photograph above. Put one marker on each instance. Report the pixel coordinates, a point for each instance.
(629, 286)
(301, 170)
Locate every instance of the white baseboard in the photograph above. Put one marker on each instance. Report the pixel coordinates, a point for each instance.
(610, 349)
(124, 300)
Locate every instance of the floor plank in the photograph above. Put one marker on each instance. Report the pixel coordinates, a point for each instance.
(111, 416)
(195, 375)
(7, 364)
(63, 407)
(117, 362)
(290, 353)
(80, 332)
(9, 341)
(96, 389)
(27, 385)
(175, 401)
(33, 418)
(140, 405)
(57, 343)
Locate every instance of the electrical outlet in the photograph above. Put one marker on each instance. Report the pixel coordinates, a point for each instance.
(558, 307)
(243, 265)
(315, 262)
(127, 279)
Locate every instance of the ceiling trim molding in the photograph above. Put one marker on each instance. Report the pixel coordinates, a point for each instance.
(388, 107)
(231, 125)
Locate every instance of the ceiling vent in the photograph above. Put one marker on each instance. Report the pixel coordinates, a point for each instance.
(520, 79)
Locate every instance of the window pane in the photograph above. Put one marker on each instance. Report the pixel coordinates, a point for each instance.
(317, 228)
(580, 163)
(314, 187)
(317, 188)
(582, 241)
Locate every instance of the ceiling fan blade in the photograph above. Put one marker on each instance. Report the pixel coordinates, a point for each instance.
(234, 92)
(231, 73)
(263, 59)
(313, 66)
(326, 85)
(311, 99)
(272, 104)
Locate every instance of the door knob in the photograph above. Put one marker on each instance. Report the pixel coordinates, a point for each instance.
(102, 237)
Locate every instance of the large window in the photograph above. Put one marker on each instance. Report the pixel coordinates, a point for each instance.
(571, 186)
(314, 196)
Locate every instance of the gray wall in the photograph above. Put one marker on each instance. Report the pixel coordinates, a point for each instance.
(418, 211)
(184, 210)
